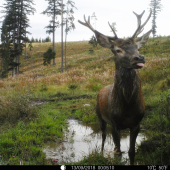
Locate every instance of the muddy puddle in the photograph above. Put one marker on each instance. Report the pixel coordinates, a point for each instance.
(80, 140)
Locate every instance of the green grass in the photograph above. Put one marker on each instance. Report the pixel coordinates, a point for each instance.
(24, 140)
(24, 129)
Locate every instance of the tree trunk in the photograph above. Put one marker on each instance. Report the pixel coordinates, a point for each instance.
(1, 67)
(66, 48)
(54, 32)
(19, 34)
(26, 50)
(54, 45)
(18, 48)
(62, 36)
(25, 46)
(13, 68)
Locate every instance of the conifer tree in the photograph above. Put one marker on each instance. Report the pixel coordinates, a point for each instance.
(53, 10)
(69, 23)
(16, 12)
(62, 24)
(156, 7)
(4, 50)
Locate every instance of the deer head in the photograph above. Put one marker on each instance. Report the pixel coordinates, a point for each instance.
(126, 51)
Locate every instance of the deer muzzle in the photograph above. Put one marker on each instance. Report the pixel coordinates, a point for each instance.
(138, 61)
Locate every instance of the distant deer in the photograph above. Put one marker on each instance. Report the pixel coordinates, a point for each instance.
(122, 105)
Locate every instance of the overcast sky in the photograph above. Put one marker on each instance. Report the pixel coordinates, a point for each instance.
(118, 11)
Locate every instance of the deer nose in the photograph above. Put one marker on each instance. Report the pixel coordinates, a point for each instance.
(140, 57)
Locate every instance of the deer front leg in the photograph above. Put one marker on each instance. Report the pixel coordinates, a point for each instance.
(103, 128)
(116, 138)
(133, 134)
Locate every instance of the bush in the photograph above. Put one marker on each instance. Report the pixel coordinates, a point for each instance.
(72, 87)
(48, 56)
(16, 108)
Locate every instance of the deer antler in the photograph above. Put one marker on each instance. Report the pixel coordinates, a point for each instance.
(87, 24)
(140, 27)
(104, 41)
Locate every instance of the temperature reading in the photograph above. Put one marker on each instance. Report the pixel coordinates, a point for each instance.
(163, 167)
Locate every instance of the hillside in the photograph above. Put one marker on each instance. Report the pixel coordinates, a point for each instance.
(27, 126)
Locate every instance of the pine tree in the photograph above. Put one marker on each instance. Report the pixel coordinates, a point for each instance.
(48, 39)
(4, 50)
(16, 18)
(53, 10)
(156, 7)
(93, 42)
(40, 40)
(69, 23)
(62, 23)
(32, 40)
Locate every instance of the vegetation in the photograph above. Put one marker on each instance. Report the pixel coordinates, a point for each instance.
(15, 21)
(93, 42)
(156, 7)
(26, 127)
(69, 22)
(14, 30)
(48, 56)
(53, 10)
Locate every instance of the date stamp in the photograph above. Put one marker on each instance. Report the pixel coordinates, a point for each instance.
(160, 167)
(92, 167)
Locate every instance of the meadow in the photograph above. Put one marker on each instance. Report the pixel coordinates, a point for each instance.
(25, 126)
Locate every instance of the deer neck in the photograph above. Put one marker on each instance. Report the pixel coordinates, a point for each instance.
(126, 83)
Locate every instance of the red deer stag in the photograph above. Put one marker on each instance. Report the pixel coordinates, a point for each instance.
(122, 105)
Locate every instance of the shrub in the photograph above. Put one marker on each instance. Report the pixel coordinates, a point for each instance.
(48, 56)
(16, 108)
(73, 87)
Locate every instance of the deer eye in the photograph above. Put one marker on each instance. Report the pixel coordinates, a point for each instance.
(128, 43)
(118, 51)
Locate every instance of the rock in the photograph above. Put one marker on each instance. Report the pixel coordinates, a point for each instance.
(86, 105)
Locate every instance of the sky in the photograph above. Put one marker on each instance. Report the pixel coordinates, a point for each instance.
(118, 11)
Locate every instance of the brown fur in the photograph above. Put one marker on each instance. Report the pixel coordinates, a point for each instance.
(122, 105)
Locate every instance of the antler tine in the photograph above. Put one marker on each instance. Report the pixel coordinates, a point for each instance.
(140, 27)
(147, 19)
(138, 24)
(139, 17)
(89, 20)
(87, 24)
(113, 30)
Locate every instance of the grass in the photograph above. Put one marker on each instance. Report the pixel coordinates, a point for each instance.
(25, 128)
(96, 158)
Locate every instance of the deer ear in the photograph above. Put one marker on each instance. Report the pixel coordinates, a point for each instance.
(140, 42)
(103, 40)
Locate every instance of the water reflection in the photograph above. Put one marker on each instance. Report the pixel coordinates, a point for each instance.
(80, 140)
